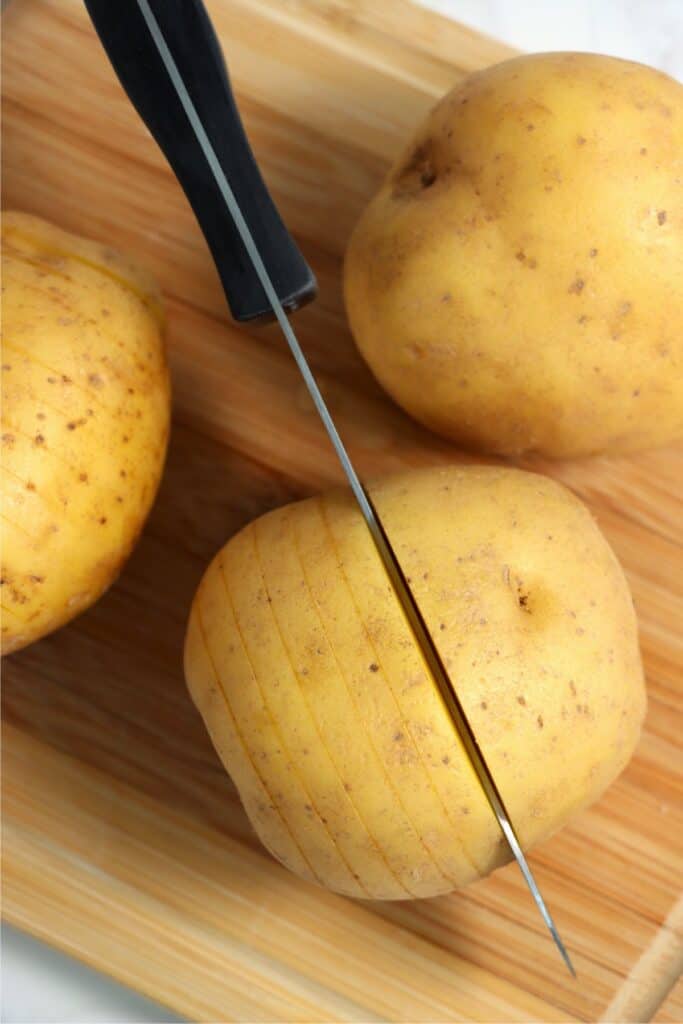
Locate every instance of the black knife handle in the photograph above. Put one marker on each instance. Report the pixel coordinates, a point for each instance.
(190, 37)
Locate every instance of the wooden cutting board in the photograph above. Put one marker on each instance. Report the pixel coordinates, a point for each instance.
(124, 840)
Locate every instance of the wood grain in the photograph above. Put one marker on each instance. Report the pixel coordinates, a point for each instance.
(124, 841)
(653, 976)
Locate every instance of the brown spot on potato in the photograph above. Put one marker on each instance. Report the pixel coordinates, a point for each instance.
(37, 579)
(577, 286)
(529, 262)
(539, 721)
(398, 736)
(483, 705)
(83, 477)
(95, 379)
(580, 140)
(521, 700)
(418, 172)
(661, 216)
(445, 759)
(347, 787)
(643, 151)
(103, 520)
(373, 667)
(593, 253)
(39, 439)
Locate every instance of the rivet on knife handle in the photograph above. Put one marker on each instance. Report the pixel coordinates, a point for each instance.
(391, 564)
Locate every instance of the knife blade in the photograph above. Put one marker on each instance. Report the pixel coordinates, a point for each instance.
(392, 566)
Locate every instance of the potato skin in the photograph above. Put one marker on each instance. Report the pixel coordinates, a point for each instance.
(516, 283)
(319, 704)
(85, 421)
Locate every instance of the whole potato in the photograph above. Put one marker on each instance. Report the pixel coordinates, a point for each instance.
(320, 705)
(85, 421)
(517, 282)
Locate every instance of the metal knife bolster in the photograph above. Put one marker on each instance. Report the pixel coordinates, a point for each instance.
(169, 61)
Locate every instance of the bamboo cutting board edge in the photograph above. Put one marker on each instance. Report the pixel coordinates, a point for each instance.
(647, 985)
(135, 824)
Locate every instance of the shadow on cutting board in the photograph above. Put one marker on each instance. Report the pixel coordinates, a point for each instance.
(109, 688)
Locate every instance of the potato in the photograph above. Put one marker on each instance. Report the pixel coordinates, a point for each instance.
(85, 421)
(516, 284)
(321, 708)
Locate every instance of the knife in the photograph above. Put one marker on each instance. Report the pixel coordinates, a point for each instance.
(169, 61)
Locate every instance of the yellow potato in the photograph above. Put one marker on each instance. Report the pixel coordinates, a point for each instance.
(85, 421)
(517, 282)
(321, 708)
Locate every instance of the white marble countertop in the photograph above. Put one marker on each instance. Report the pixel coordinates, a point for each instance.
(42, 985)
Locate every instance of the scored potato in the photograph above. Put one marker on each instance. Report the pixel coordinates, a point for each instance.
(516, 283)
(321, 708)
(85, 421)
